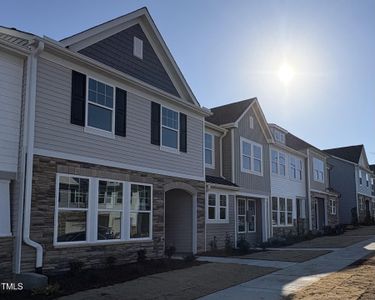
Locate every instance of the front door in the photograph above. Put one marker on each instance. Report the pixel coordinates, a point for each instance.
(246, 218)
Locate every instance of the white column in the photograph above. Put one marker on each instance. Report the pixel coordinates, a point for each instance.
(5, 208)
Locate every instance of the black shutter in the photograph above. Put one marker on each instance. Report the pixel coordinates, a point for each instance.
(183, 133)
(155, 123)
(77, 113)
(120, 114)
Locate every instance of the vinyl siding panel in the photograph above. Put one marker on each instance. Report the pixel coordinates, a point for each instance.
(252, 183)
(343, 180)
(220, 230)
(362, 188)
(315, 184)
(11, 74)
(53, 130)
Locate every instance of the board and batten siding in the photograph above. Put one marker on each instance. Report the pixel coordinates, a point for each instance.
(11, 74)
(250, 182)
(220, 230)
(54, 132)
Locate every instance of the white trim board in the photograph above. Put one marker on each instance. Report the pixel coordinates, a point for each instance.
(108, 163)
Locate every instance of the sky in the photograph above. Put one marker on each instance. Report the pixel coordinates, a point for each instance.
(232, 50)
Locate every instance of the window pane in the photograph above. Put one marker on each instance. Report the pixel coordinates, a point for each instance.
(289, 205)
(169, 137)
(241, 223)
(212, 213)
(274, 218)
(71, 226)
(257, 165)
(100, 93)
(109, 225)
(282, 169)
(140, 197)
(274, 167)
(290, 219)
(110, 195)
(282, 204)
(223, 213)
(208, 156)
(274, 203)
(93, 85)
(208, 141)
(257, 152)
(246, 148)
(223, 200)
(282, 218)
(100, 117)
(139, 225)
(169, 118)
(282, 158)
(251, 226)
(73, 192)
(241, 208)
(212, 199)
(246, 162)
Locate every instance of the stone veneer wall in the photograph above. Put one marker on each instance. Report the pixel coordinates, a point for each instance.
(282, 231)
(43, 207)
(6, 250)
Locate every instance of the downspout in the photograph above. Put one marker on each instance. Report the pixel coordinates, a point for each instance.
(308, 188)
(32, 67)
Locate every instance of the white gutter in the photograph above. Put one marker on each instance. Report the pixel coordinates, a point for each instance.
(30, 127)
(308, 189)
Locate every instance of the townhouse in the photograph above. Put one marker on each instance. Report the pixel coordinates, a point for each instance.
(111, 128)
(289, 203)
(354, 179)
(245, 163)
(322, 198)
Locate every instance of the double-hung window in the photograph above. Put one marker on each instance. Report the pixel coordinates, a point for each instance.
(251, 157)
(100, 105)
(169, 128)
(318, 168)
(209, 150)
(293, 168)
(275, 161)
(360, 176)
(367, 180)
(97, 210)
(282, 164)
(299, 169)
(282, 211)
(217, 208)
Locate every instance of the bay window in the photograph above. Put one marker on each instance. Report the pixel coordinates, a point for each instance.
(169, 128)
(251, 157)
(97, 210)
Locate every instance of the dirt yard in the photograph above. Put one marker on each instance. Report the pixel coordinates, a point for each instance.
(356, 282)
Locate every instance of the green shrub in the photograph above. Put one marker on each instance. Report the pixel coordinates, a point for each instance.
(243, 246)
(49, 290)
(228, 244)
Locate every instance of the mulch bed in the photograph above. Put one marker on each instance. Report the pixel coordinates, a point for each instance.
(223, 253)
(68, 283)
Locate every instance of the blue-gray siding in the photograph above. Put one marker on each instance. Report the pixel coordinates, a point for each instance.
(116, 51)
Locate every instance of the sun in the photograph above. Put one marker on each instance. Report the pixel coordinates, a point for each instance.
(286, 73)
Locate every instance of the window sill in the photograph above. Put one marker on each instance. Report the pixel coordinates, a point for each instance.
(217, 221)
(210, 166)
(169, 149)
(318, 181)
(100, 243)
(283, 226)
(252, 172)
(99, 132)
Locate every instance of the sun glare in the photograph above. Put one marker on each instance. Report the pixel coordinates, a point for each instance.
(286, 73)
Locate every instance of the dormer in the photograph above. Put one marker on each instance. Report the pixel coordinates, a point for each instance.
(278, 133)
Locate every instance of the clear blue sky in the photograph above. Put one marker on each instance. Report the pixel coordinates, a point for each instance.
(231, 50)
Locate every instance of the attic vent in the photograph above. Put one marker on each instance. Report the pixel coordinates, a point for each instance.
(138, 48)
(251, 123)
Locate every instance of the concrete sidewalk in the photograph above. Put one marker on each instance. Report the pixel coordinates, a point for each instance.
(296, 276)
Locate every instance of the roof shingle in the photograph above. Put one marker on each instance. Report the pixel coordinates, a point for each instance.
(219, 180)
(350, 153)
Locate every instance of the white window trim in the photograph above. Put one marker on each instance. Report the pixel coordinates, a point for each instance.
(94, 130)
(333, 206)
(317, 178)
(285, 211)
(252, 158)
(279, 154)
(211, 166)
(163, 147)
(92, 211)
(217, 219)
(298, 163)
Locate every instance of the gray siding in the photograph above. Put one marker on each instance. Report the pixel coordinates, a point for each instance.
(220, 230)
(315, 184)
(53, 130)
(116, 51)
(227, 156)
(216, 170)
(342, 179)
(252, 183)
(363, 188)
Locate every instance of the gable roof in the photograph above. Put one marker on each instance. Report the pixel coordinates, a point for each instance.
(296, 143)
(141, 16)
(16, 38)
(229, 113)
(350, 153)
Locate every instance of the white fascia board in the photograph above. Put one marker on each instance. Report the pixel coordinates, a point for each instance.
(221, 187)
